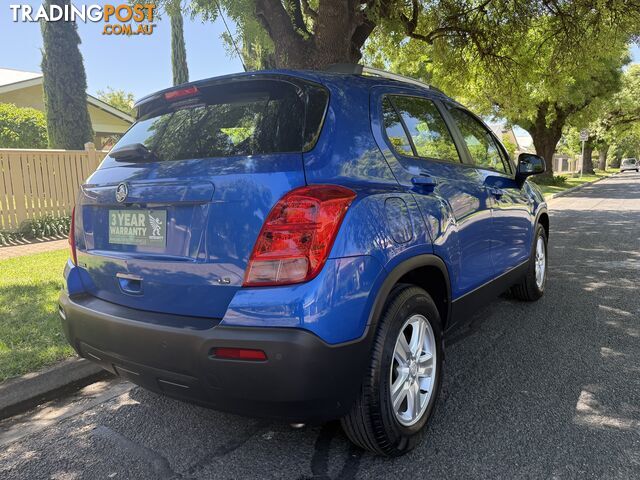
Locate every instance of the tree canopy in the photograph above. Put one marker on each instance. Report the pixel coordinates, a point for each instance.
(316, 33)
(119, 99)
(618, 118)
(540, 75)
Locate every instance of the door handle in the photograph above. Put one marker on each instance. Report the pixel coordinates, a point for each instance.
(130, 284)
(426, 181)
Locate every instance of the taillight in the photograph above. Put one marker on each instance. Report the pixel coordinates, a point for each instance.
(72, 237)
(181, 93)
(297, 235)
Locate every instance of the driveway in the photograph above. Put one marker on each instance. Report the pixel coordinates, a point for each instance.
(543, 390)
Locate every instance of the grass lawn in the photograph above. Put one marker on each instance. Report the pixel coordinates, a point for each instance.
(30, 332)
(575, 181)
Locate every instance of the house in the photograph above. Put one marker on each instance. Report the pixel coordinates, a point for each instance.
(24, 89)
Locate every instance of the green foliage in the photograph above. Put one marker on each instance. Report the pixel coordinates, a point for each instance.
(178, 49)
(46, 226)
(510, 146)
(531, 70)
(315, 33)
(174, 9)
(626, 145)
(22, 127)
(64, 84)
(30, 333)
(9, 238)
(619, 115)
(119, 99)
(556, 180)
(42, 227)
(256, 46)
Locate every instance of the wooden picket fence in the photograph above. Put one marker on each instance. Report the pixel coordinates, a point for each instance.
(34, 183)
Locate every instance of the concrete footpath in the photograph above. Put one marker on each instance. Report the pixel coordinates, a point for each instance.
(32, 248)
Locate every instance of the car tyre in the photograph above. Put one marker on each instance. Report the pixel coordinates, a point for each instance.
(374, 423)
(531, 287)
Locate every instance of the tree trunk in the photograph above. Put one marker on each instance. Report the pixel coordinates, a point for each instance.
(587, 159)
(339, 34)
(545, 137)
(178, 49)
(545, 142)
(602, 160)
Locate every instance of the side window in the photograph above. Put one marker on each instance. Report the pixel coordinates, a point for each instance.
(395, 131)
(483, 148)
(430, 135)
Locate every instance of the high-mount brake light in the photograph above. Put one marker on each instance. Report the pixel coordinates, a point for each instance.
(181, 93)
(72, 237)
(297, 235)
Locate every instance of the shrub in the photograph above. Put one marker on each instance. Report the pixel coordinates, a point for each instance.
(8, 238)
(47, 226)
(555, 181)
(22, 127)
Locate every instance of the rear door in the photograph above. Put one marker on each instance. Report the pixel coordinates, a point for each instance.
(448, 192)
(170, 229)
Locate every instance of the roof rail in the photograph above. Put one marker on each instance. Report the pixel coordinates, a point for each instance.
(357, 69)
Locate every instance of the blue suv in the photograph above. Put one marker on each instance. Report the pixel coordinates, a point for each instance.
(296, 245)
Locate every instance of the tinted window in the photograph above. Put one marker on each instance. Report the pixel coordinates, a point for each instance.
(428, 131)
(395, 131)
(483, 148)
(243, 118)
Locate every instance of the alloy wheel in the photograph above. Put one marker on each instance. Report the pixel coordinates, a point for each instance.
(541, 263)
(413, 370)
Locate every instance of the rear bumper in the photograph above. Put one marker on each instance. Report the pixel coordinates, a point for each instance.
(303, 379)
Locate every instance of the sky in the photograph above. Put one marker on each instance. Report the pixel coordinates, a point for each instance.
(139, 64)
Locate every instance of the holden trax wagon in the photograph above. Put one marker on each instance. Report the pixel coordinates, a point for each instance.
(296, 245)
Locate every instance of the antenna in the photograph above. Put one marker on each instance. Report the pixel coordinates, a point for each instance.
(235, 45)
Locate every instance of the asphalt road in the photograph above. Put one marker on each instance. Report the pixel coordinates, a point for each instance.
(544, 390)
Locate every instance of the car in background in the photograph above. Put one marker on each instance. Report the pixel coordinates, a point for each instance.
(297, 245)
(628, 164)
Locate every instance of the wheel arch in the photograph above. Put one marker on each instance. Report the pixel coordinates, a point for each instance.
(543, 219)
(426, 271)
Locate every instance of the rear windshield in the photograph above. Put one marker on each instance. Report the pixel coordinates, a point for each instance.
(629, 161)
(251, 117)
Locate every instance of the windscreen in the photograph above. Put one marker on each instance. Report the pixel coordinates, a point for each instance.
(241, 118)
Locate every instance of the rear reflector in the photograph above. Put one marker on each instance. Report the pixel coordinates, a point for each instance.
(181, 93)
(72, 237)
(238, 354)
(297, 235)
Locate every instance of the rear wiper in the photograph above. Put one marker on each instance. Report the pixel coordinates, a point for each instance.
(133, 151)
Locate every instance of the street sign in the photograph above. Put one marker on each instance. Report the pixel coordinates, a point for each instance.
(584, 135)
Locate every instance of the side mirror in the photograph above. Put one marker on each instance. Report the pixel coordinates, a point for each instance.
(529, 164)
